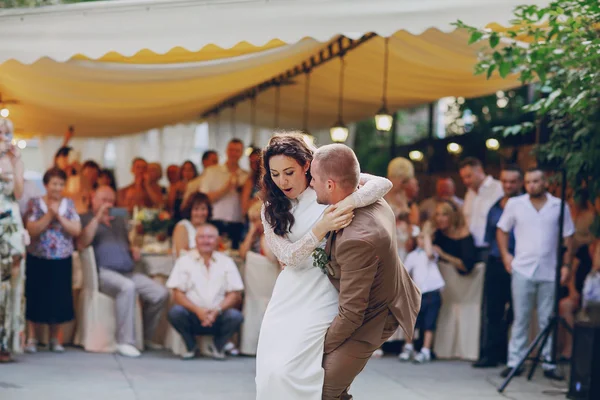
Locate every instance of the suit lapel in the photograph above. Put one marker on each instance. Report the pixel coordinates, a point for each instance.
(330, 241)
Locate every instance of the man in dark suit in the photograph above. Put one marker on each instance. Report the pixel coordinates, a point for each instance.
(376, 292)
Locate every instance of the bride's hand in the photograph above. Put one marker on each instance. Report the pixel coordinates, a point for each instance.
(348, 202)
(334, 219)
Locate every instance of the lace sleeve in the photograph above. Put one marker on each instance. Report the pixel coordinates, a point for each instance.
(288, 252)
(373, 188)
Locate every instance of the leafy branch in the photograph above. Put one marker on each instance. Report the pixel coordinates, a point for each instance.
(556, 48)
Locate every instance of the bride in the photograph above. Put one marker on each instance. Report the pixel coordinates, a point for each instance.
(304, 302)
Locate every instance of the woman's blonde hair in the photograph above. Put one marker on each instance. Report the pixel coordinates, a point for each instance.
(454, 213)
(401, 167)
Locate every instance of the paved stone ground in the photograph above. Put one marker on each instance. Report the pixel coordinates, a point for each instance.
(159, 376)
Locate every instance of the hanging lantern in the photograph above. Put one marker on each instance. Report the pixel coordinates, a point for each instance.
(339, 131)
(383, 119)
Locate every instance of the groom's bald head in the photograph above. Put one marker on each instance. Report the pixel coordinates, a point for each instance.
(337, 172)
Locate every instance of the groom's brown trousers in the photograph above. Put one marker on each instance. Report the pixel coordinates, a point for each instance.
(344, 363)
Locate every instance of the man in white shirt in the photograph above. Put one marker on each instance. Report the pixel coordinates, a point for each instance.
(209, 159)
(534, 218)
(223, 185)
(207, 291)
(483, 192)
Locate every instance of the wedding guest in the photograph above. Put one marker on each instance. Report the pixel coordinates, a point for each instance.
(444, 190)
(483, 192)
(400, 172)
(497, 306)
(88, 181)
(13, 239)
(583, 214)
(115, 258)
(533, 217)
(173, 173)
(209, 159)
(188, 173)
(67, 159)
(155, 191)
(252, 186)
(452, 240)
(421, 264)
(52, 223)
(197, 213)
(571, 302)
(222, 184)
(207, 291)
(135, 195)
(107, 178)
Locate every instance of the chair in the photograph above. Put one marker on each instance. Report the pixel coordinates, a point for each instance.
(260, 275)
(458, 327)
(96, 314)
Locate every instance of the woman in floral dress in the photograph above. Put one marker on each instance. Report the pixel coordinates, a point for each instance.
(12, 246)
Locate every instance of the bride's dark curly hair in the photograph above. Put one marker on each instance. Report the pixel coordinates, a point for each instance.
(277, 205)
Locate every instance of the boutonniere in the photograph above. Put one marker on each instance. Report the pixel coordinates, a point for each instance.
(320, 259)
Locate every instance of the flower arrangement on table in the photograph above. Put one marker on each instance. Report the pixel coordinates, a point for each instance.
(153, 225)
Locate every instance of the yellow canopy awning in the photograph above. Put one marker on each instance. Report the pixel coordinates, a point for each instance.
(113, 68)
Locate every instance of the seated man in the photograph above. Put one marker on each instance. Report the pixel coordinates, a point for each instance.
(115, 259)
(207, 291)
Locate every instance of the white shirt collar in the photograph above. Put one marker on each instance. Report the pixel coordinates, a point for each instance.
(486, 183)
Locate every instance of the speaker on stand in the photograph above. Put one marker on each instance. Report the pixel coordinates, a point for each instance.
(585, 362)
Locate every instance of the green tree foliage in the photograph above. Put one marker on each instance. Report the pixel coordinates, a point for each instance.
(557, 46)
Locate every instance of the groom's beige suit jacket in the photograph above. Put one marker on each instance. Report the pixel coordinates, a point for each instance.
(376, 292)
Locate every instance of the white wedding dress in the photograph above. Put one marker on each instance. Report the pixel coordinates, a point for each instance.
(303, 305)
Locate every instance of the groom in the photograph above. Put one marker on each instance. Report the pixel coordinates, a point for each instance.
(376, 293)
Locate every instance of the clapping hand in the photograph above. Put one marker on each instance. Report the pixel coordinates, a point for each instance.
(102, 214)
(53, 208)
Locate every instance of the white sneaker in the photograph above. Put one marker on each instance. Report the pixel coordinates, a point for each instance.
(377, 354)
(231, 349)
(31, 346)
(153, 346)
(188, 355)
(216, 354)
(127, 350)
(56, 347)
(407, 354)
(422, 358)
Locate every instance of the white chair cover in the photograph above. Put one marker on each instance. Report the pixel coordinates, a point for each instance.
(260, 275)
(96, 314)
(459, 322)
